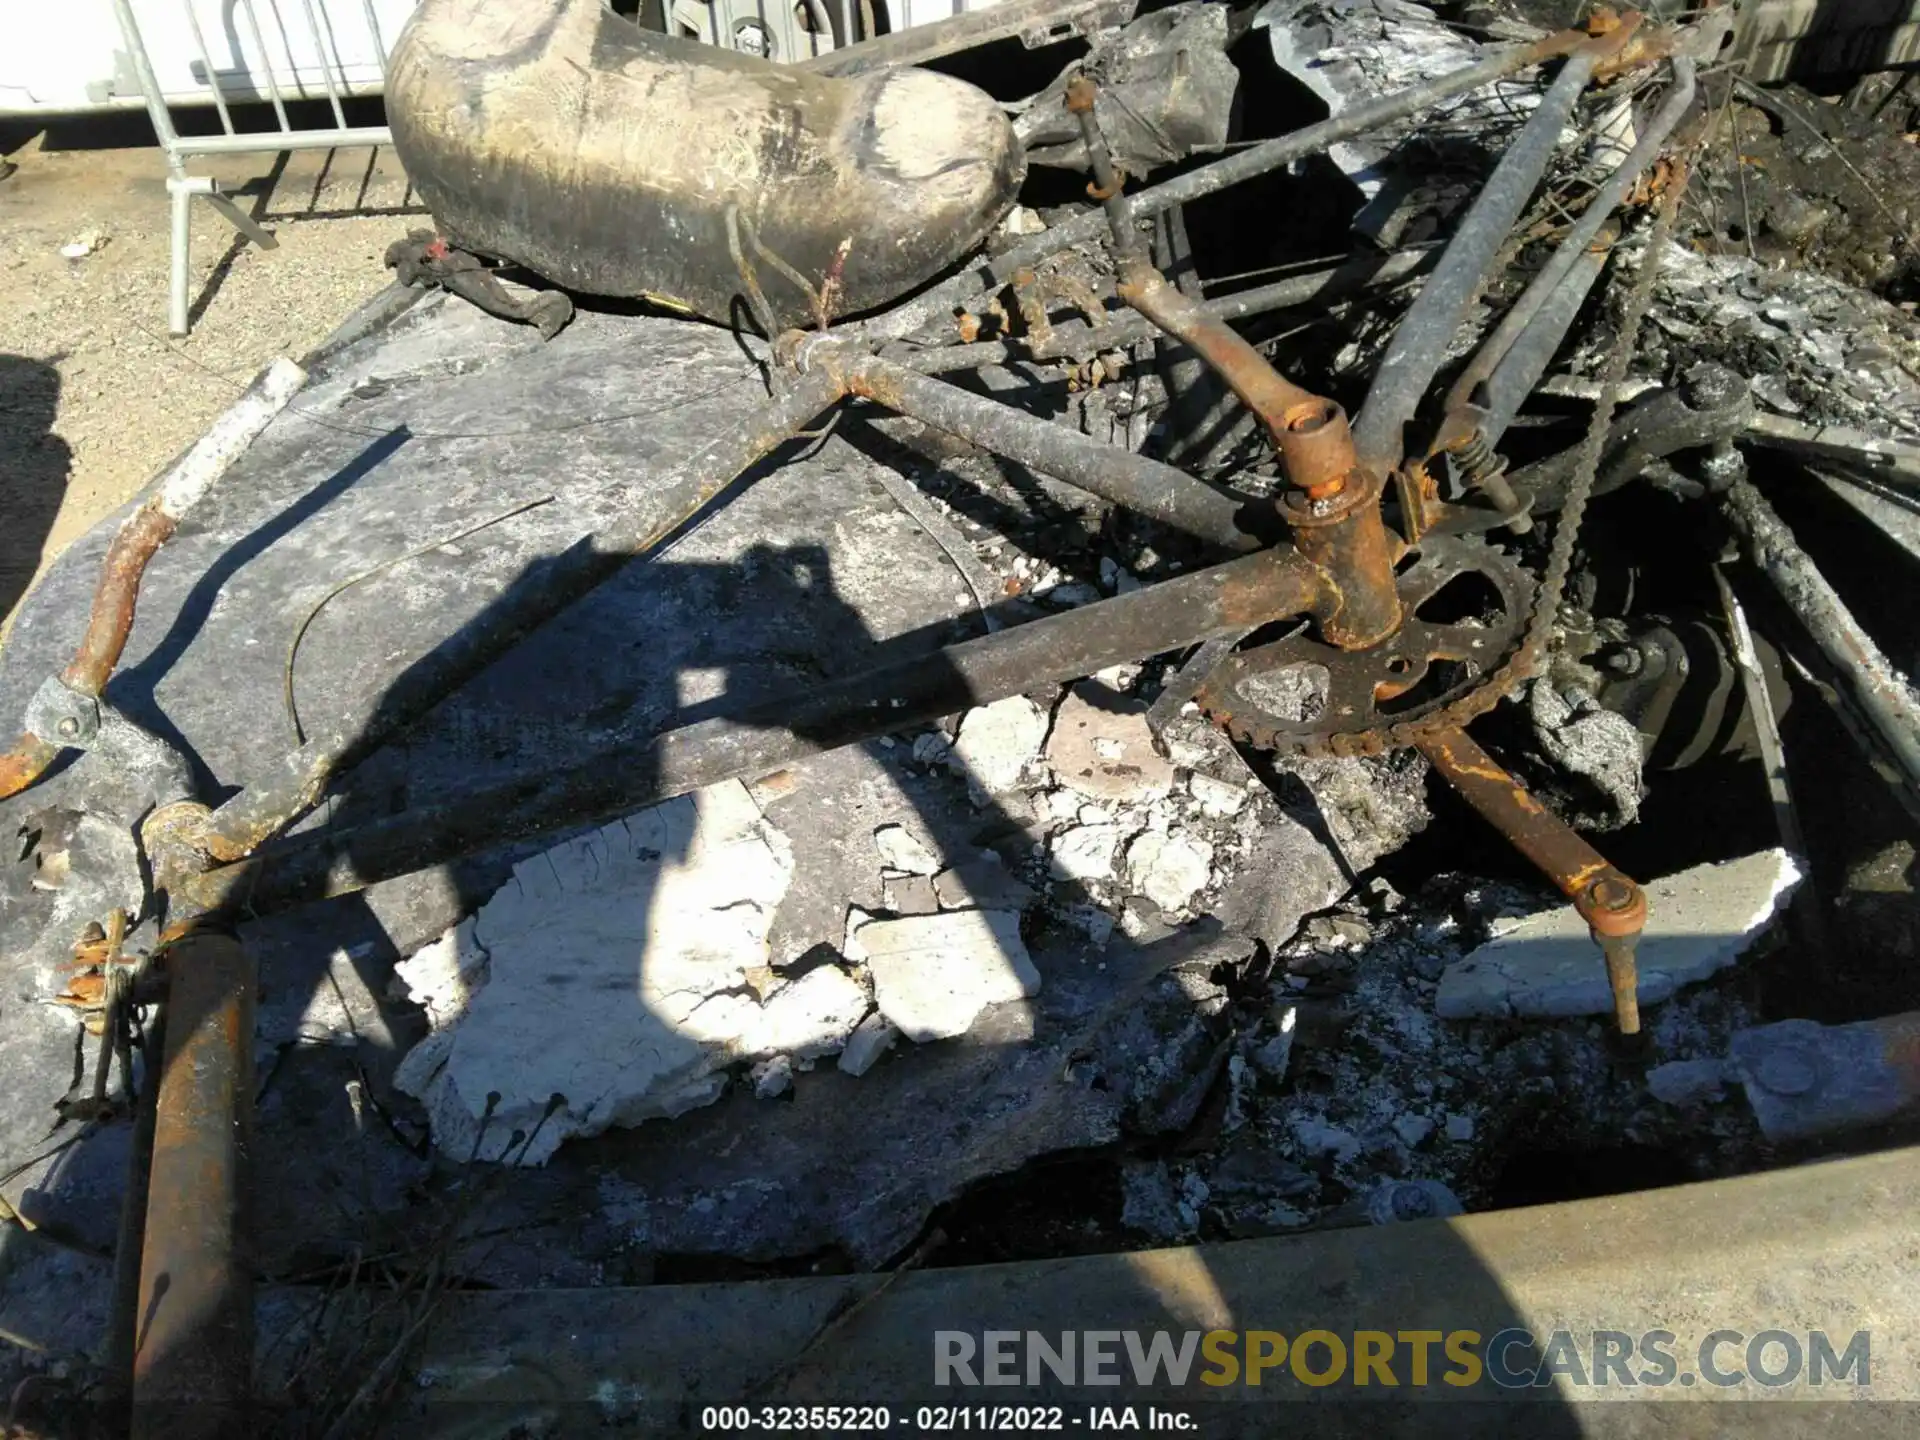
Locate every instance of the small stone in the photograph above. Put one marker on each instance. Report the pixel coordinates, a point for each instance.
(931, 748)
(1413, 1130)
(772, 1078)
(910, 895)
(1382, 897)
(1316, 1137)
(1274, 1056)
(1169, 869)
(851, 947)
(1396, 1200)
(1100, 746)
(1459, 1127)
(1071, 594)
(1149, 1202)
(900, 849)
(811, 1017)
(1216, 797)
(998, 742)
(934, 974)
(1687, 1082)
(86, 243)
(983, 884)
(1092, 921)
(1084, 853)
(874, 1036)
(1258, 1171)
(1141, 920)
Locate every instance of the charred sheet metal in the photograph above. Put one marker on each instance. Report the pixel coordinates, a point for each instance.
(1167, 92)
(865, 186)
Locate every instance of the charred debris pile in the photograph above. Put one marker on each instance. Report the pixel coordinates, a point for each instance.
(1145, 883)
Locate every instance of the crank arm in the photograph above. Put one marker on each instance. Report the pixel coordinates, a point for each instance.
(1614, 907)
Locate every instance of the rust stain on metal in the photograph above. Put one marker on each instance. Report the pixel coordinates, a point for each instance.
(193, 1349)
(142, 533)
(1283, 583)
(1614, 907)
(25, 763)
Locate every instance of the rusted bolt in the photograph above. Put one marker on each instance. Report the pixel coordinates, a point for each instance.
(1626, 661)
(1080, 94)
(68, 728)
(1613, 894)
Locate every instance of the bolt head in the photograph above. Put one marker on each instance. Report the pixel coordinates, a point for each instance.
(1610, 893)
(68, 727)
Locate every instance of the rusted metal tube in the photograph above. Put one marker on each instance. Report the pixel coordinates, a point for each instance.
(1224, 599)
(25, 763)
(193, 1346)
(1261, 388)
(1077, 339)
(111, 618)
(1334, 505)
(1147, 487)
(148, 528)
(141, 534)
(1573, 248)
(1420, 343)
(1614, 907)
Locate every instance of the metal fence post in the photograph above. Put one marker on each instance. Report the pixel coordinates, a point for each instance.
(178, 149)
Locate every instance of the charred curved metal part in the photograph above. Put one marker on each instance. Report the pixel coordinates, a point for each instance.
(560, 135)
(426, 259)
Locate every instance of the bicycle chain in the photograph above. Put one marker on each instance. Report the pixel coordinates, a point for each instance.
(1525, 661)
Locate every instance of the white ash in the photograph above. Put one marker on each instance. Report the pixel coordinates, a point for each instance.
(900, 849)
(1601, 746)
(1357, 51)
(1356, 1082)
(1698, 921)
(982, 884)
(772, 1078)
(1100, 747)
(1218, 798)
(1169, 869)
(613, 970)
(1812, 345)
(1085, 852)
(997, 744)
(933, 975)
(871, 1039)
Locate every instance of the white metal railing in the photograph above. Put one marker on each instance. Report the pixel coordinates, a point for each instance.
(319, 28)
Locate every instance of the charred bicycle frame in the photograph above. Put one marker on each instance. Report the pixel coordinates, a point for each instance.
(210, 867)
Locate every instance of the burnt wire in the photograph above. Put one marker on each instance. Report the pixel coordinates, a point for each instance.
(293, 646)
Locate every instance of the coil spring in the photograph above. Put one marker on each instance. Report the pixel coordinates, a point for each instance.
(1479, 462)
